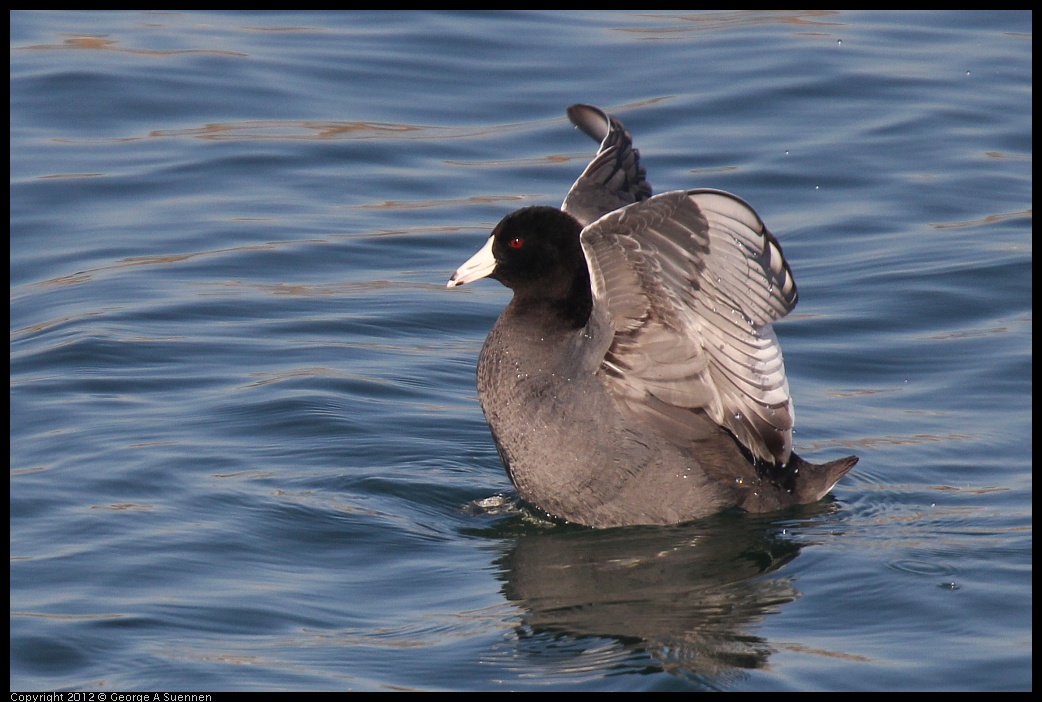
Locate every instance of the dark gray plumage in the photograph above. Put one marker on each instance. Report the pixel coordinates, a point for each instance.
(635, 378)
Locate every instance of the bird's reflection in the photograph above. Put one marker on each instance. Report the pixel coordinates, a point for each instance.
(690, 596)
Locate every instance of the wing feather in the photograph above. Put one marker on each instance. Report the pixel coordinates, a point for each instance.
(615, 177)
(688, 283)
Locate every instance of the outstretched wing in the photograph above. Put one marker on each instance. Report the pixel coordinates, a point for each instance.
(614, 178)
(688, 283)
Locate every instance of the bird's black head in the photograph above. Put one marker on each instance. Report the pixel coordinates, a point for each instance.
(539, 256)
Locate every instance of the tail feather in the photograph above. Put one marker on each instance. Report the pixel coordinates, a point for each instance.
(819, 479)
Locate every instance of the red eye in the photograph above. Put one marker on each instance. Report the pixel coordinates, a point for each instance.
(517, 242)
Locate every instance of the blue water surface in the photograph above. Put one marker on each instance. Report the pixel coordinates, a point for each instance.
(246, 448)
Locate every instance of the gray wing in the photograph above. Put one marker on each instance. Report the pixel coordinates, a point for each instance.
(614, 178)
(686, 285)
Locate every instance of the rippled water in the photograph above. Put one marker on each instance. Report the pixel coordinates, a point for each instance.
(246, 450)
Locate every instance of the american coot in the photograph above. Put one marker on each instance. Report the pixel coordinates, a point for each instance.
(634, 378)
